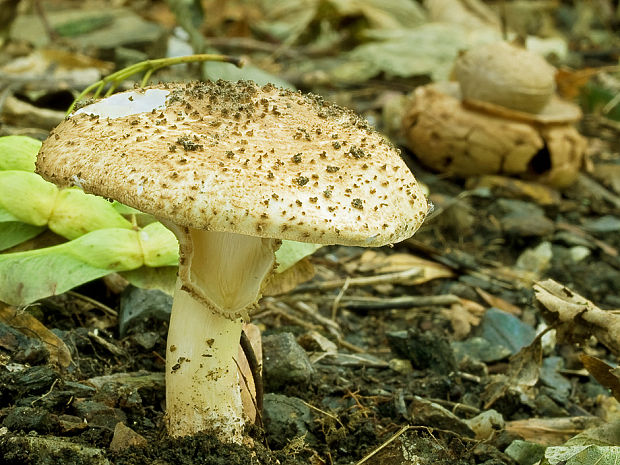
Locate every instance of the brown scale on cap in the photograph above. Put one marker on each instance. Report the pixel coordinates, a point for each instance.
(230, 154)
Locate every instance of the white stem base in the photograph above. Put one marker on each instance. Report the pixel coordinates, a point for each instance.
(202, 384)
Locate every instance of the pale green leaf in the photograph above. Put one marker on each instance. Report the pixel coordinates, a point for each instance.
(582, 455)
(13, 233)
(290, 252)
(35, 274)
(18, 153)
(163, 278)
(595, 446)
(392, 52)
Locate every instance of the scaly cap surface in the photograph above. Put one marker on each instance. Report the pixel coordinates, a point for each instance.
(237, 157)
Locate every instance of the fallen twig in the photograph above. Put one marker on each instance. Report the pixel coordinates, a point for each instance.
(387, 278)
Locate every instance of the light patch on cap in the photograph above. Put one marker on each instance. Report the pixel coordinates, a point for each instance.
(127, 103)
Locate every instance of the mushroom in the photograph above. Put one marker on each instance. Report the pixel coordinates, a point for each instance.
(502, 116)
(232, 169)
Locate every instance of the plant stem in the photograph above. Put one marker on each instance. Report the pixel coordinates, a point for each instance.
(148, 67)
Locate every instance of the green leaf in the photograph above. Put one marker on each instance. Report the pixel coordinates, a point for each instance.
(436, 47)
(76, 213)
(13, 231)
(35, 274)
(27, 196)
(163, 278)
(18, 153)
(290, 252)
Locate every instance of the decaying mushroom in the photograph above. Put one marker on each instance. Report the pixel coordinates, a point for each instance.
(232, 169)
(502, 116)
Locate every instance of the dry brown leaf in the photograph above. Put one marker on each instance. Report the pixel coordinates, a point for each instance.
(31, 327)
(381, 263)
(577, 318)
(523, 373)
(462, 317)
(551, 431)
(498, 302)
(503, 186)
(246, 381)
(570, 82)
(603, 373)
(281, 283)
(74, 60)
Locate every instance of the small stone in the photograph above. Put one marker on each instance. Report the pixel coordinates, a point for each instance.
(146, 340)
(98, 414)
(604, 224)
(481, 349)
(71, 424)
(486, 424)
(578, 253)
(285, 361)
(537, 259)
(31, 419)
(401, 366)
(499, 327)
(425, 350)
(525, 452)
(125, 437)
(519, 218)
(285, 418)
(551, 377)
(137, 305)
(425, 412)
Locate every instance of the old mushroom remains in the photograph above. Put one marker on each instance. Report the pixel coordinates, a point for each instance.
(501, 116)
(232, 169)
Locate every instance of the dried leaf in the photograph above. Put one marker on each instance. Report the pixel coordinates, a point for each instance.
(31, 327)
(603, 373)
(381, 263)
(570, 82)
(462, 317)
(498, 302)
(550, 431)
(575, 317)
(523, 372)
(503, 186)
(281, 283)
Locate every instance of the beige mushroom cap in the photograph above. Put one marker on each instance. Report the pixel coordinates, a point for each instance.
(236, 157)
(504, 74)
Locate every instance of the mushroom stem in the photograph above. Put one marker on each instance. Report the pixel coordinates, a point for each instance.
(202, 384)
(220, 278)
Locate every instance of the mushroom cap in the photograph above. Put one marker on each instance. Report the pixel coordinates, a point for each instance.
(506, 75)
(555, 111)
(236, 157)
